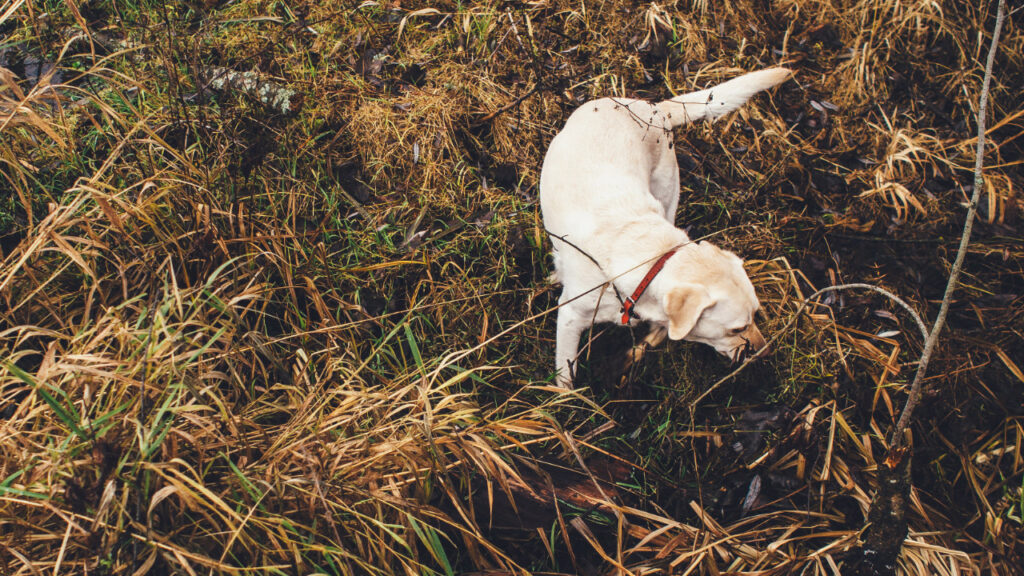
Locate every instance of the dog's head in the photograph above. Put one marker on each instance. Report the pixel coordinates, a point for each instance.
(711, 300)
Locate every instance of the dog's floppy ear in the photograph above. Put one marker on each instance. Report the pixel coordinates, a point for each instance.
(684, 304)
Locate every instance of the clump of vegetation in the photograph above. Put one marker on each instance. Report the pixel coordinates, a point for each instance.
(274, 291)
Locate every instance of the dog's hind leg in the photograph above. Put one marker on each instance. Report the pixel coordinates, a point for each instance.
(664, 183)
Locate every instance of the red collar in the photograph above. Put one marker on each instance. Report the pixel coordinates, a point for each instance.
(627, 306)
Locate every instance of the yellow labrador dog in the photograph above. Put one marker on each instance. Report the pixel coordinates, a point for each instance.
(609, 190)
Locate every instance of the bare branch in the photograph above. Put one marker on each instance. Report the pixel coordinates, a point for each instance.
(965, 238)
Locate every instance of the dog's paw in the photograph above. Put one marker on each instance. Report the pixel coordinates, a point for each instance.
(636, 354)
(655, 336)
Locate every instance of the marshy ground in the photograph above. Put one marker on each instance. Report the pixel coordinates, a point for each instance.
(274, 292)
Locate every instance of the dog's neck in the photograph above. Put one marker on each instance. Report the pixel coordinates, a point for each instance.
(637, 245)
(650, 306)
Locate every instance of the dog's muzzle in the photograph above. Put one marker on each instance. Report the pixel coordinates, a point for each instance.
(754, 345)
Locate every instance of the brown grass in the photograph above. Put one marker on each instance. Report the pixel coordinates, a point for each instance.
(237, 340)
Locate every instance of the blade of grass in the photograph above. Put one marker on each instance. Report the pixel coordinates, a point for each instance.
(68, 415)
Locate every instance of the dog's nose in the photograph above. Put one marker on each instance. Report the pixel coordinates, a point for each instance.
(756, 344)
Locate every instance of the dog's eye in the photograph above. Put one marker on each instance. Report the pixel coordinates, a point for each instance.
(737, 331)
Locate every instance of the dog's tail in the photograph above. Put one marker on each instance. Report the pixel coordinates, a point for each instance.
(719, 100)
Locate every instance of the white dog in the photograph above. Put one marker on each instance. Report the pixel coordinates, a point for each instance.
(609, 190)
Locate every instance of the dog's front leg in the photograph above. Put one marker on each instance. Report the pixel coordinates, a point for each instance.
(654, 337)
(567, 341)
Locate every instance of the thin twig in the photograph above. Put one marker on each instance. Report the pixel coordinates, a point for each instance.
(509, 106)
(896, 441)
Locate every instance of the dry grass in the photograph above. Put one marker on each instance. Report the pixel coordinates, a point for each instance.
(240, 340)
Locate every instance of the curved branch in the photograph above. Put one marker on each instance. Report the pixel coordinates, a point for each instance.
(803, 305)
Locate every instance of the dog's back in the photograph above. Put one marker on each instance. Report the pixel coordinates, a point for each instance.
(614, 161)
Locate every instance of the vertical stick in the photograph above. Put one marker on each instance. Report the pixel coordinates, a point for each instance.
(897, 439)
(887, 527)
